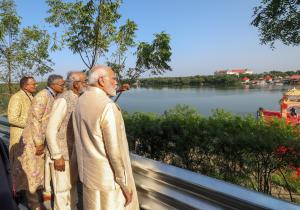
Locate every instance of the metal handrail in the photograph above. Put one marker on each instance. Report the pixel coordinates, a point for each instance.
(4, 130)
(175, 188)
(165, 187)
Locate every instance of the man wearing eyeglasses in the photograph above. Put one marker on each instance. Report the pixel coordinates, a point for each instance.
(30, 176)
(60, 141)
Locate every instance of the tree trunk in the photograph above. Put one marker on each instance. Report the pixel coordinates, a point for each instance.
(9, 77)
(9, 70)
(9, 63)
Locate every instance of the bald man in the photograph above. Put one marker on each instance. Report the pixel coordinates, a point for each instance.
(61, 158)
(102, 149)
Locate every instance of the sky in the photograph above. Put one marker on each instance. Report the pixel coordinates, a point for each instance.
(206, 35)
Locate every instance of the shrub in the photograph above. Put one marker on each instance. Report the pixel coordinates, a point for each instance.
(238, 149)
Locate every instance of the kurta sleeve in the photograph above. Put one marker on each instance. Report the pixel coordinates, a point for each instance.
(14, 112)
(110, 128)
(58, 113)
(38, 107)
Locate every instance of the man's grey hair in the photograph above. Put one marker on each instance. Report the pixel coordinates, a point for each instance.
(72, 76)
(96, 72)
(52, 78)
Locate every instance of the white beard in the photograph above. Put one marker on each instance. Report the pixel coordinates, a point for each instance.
(82, 90)
(111, 91)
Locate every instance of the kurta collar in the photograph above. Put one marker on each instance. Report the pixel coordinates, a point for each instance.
(72, 93)
(29, 95)
(51, 91)
(97, 90)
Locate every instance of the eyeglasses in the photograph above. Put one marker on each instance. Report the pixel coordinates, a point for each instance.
(61, 85)
(84, 82)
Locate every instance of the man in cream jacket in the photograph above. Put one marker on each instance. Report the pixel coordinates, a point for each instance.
(61, 158)
(101, 145)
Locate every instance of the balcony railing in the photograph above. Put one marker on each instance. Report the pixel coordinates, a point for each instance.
(164, 187)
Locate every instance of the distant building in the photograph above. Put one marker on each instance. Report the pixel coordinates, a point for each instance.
(268, 78)
(295, 77)
(260, 82)
(246, 80)
(233, 72)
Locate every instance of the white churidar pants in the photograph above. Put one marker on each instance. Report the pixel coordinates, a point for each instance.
(103, 200)
(65, 195)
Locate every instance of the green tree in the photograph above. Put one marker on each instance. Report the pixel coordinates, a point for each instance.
(278, 20)
(22, 51)
(92, 27)
(277, 73)
(153, 57)
(124, 39)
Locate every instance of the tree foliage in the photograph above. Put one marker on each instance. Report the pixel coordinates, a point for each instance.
(91, 28)
(278, 20)
(210, 80)
(88, 27)
(123, 39)
(153, 56)
(213, 80)
(23, 51)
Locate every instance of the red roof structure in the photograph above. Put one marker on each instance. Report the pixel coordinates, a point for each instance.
(245, 79)
(240, 71)
(295, 77)
(233, 72)
(268, 78)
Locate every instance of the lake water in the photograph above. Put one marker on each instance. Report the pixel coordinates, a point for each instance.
(239, 101)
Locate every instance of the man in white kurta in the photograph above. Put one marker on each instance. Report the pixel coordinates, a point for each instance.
(61, 158)
(102, 149)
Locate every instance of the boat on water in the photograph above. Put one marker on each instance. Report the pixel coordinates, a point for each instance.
(288, 106)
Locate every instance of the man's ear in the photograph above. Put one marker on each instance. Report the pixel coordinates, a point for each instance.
(101, 81)
(51, 86)
(74, 84)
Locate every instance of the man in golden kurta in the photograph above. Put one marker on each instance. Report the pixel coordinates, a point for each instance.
(17, 113)
(31, 148)
(18, 108)
(101, 145)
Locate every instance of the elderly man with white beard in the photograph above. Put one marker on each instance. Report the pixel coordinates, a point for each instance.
(61, 157)
(102, 148)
